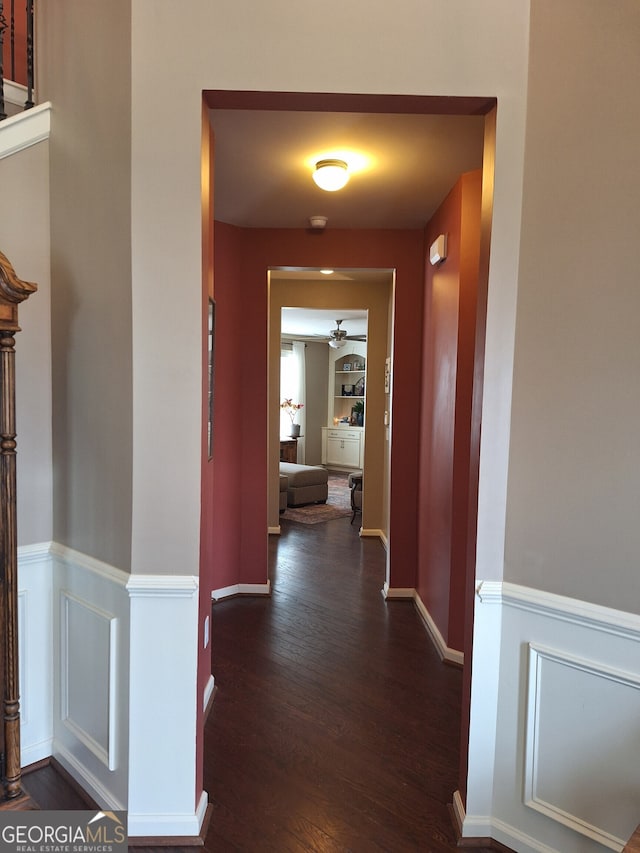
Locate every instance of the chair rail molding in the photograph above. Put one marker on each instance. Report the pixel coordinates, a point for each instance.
(25, 129)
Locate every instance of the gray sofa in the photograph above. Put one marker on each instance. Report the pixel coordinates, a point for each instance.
(306, 484)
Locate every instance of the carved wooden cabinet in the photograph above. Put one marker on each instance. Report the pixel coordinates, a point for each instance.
(13, 291)
(289, 450)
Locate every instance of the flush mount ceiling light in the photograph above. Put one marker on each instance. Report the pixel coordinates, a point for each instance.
(327, 272)
(337, 337)
(331, 175)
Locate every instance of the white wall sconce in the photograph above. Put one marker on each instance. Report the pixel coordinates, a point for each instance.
(331, 175)
(438, 250)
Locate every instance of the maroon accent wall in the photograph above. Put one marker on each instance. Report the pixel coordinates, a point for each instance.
(242, 257)
(20, 44)
(234, 99)
(486, 216)
(206, 482)
(449, 321)
(234, 400)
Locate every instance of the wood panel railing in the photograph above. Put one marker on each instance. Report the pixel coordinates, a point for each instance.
(16, 48)
(13, 291)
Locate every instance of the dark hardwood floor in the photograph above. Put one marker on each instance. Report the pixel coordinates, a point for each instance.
(335, 725)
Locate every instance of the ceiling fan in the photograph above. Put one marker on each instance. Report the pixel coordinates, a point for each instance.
(338, 337)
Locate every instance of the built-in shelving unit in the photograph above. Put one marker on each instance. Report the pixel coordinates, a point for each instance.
(343, 438)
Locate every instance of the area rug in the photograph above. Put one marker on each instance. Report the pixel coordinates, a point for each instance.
(338, 504)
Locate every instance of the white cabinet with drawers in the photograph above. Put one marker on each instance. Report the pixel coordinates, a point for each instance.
(343, 447)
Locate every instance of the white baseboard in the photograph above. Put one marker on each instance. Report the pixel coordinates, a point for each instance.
(274, 531)
(91, 784)
(446, 653)
(208, 691)
(480, 828)
(397, 592)
(458, 809)
(241, 589)
(165, 825)
(373, 533)
(402, 593)
(35, 752)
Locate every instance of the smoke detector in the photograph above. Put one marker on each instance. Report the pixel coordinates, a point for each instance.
(318, 222)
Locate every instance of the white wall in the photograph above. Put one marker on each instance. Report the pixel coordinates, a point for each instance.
(566, 752)
(574, 501)
(90, 272)
(446, 48)
(24, 239)
(280, 47)
(571, 499)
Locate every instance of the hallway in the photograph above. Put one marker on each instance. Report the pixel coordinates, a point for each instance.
(335, 726)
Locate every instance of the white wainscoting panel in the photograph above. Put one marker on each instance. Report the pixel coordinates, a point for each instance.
(577, 709)
(163, 706)
(88, 667)
(35, 627)
(103, 654)
(563, 718)
(91, 669)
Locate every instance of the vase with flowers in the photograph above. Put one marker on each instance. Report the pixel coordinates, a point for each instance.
(292, 410)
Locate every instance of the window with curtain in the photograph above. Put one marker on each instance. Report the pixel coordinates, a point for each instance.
(292, 386)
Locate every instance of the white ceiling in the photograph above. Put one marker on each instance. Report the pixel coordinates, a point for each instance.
(402, 167)
(318, 322)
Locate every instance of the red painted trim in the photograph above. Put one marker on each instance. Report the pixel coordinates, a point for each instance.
(222, 99)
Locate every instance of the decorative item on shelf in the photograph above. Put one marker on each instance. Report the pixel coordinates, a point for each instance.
(357, 412)
(358, 388)
(292, 410)
(346, 366)
(347, 390)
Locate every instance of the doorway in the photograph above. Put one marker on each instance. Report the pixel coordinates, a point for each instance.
(308, 347)
(404, 252)
(352, 290)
